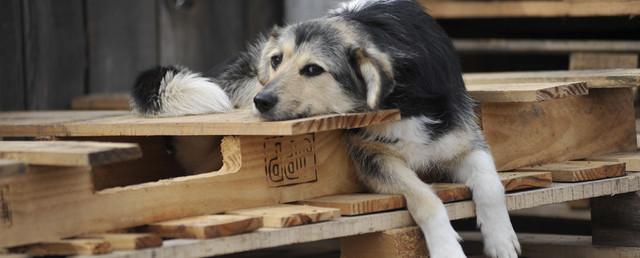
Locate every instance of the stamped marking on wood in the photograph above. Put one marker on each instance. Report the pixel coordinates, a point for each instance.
(290, 160)
(5, 211)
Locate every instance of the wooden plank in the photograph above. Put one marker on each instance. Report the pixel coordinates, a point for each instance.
(119, 46)
(11, 167)
(579, 171)
(287, 215)
(67, 247)
(545, 46)
(72, 207)
(525, 134)
(68, 153)
(526, 92)
(349, 226)
(531, 8)
(583, 61)
(11, 54)
(631, 159)
(101, 102)
(359, 204)
(240, 122)
(55, 52)
(612, 78)
(129, 241)
(204, 227)
(547, 245)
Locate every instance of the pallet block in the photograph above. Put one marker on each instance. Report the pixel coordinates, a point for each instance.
(401, 242)
(274, 169)
(579, 171)
(631, 159)
(205, 227)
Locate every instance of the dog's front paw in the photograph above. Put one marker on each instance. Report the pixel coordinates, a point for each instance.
(502, 244)
(447, 250)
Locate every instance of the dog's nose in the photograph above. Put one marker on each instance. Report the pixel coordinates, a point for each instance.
(265, 102)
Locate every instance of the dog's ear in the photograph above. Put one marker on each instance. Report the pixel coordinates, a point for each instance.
(377, 74)
(264, 64)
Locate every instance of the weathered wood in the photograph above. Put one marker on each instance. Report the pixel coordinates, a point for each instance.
(615, 220)
(545, 46)
(526, 92)
(631, 159)
(400, 242)
(546, 245)
(524, 134)
(11, 167)
(359, 204)
(578, 171)
(583, 61)
(287, 215)
(68, 153)
(11, 53)
(530, 8)
(249, 163)
(115, 123)
(119, 46)
(205, 227)
(101, 102)
(349, 226)
(616, 78)
(55, 52)
(129, 241)
(67, 247)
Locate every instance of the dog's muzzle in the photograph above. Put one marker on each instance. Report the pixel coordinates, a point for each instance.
(265, 102)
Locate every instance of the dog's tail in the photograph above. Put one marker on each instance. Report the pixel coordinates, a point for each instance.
(175, 91)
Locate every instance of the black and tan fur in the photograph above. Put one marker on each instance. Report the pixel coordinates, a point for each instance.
(370, 55)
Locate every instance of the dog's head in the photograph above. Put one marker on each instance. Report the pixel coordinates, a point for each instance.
(320, 67)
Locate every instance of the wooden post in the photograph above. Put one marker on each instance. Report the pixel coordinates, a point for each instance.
(615, 220)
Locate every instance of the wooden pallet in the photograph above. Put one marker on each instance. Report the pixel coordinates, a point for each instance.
(447, 9)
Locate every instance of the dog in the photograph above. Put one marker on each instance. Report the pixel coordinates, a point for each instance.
(365, 55)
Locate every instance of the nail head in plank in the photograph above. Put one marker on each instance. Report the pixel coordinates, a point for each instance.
(205, 227)
(358, 204)
(11, 167)
(579, 171)
(239, 122)
(608, 78)
(68, 153)
(526, 92)
(67, 247)
(287, 215)
(631, 159)
(129, 241)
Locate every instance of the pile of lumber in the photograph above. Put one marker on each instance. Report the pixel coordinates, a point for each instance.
(104, 183)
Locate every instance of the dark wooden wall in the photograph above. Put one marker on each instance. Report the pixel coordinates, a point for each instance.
(54, 50)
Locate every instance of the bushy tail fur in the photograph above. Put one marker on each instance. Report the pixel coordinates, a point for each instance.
(176, 91)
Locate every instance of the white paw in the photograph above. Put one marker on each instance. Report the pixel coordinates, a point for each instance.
(502, 244)
(451, 249)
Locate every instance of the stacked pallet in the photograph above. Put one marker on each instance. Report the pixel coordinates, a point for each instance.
(279, 180)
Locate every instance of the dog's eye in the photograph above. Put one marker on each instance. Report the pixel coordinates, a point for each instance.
(275, 61)
(311, 70)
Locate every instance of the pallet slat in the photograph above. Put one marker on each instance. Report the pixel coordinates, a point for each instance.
(286, 215)
(526, 92)
(631, 159)
(608, 78)
(579, 171)
(68, 153)
(348, 226)
(544, 46)
(67, 247)
(122, 123)
(205, 227)
(101, 102)
(129, 241)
